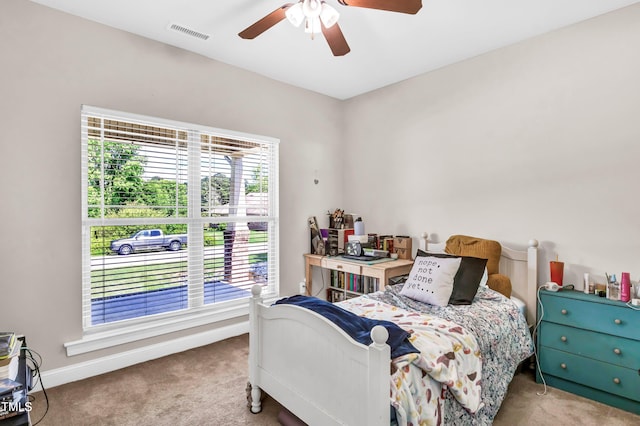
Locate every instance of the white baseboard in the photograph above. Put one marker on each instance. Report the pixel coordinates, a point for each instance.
(83, 370)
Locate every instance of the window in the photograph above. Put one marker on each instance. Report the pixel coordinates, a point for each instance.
(176, 218)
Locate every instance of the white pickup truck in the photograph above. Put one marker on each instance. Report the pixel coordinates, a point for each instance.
(148, 239)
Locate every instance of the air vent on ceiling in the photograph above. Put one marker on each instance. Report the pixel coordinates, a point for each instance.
(188, 31)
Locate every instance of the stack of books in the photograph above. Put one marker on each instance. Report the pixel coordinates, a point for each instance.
(9, 351)
(12, 398)
(12, 392)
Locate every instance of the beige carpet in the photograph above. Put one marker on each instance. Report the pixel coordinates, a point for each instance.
(206, 386)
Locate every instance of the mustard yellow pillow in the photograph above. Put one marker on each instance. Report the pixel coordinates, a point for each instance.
(465, 245)
(500, 283)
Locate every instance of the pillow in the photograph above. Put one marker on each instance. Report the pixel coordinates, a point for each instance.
(467, 279)
(431, 279)
(500, 283)
(464, 245)
(485, 278)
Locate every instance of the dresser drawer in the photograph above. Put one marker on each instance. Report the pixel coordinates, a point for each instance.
(339, 265)
(606, 318)
(596, 374)
(603, 347)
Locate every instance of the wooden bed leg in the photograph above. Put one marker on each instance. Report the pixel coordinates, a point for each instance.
(256, 393)
(256, 404)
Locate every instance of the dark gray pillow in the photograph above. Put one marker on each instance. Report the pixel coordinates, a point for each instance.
(467, 279)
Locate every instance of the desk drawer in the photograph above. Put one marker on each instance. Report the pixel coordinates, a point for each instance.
(610, 319)
(339, 265)
(596, 374)
(603, 347)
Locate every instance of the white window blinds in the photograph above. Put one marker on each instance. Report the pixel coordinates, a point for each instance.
(175, 216)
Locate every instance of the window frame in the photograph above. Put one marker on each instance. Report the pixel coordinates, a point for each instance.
(109, 334)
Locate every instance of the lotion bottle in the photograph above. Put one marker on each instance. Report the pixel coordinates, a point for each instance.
(614, 288)
(358, 226)
(586, 283)
(625, 287)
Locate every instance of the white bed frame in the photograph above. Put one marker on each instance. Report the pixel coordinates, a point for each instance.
(315, 370)
(519, 265)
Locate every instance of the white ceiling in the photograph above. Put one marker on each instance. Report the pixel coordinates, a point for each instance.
(386, 47)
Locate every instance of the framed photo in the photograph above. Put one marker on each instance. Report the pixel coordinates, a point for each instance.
(317, 242)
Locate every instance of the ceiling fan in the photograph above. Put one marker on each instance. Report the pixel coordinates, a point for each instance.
(318, 17)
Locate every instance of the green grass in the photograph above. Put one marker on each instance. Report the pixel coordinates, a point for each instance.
(135, 279)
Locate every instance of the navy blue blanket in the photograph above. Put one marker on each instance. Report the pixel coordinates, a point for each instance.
(359, 328)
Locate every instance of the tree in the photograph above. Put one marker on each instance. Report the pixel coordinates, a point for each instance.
(258, 183)
(166, 194)
(215, 190)
(119, 167)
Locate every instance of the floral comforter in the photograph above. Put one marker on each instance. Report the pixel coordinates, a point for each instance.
(449, 359)
(483, 342)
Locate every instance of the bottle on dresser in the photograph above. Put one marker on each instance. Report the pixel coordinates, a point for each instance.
(625, 287)
(613, 288)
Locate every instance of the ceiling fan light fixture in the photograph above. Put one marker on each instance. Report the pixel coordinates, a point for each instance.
(312, 26)
(295, 15)
(328, 15)
(311, 8)
(322, 18)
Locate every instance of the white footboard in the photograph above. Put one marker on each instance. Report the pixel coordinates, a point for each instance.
(315, 369)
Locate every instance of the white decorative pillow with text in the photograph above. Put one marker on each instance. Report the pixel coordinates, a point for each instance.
(431, 279)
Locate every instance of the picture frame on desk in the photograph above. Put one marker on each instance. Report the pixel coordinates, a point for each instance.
(317, 242)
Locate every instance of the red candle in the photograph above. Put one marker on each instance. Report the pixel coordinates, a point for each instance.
(557, 271)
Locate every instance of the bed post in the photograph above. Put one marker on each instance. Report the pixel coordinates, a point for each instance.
(423, 244)
(254, 347)
(532, 280)
(379, 377)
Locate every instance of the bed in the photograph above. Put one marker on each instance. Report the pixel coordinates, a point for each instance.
(324, 377)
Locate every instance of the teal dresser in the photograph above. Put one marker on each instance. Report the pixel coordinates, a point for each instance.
(590, 346)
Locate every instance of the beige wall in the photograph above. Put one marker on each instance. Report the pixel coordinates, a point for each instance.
(537, 140)
(51, 64)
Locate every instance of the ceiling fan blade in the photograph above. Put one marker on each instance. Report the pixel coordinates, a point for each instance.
(402, 6)
(336, 40)
(253, 31)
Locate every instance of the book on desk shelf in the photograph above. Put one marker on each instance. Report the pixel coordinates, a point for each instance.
(336, 296)
(353, 282)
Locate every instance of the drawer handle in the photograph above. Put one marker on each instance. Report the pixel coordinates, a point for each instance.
(617, 321)
(617, 351)
(563, 312)
(338, 266)
(616, 381)
(563, 338)
(563, 366)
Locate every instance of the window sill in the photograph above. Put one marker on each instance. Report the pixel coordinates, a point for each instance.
(93, 341)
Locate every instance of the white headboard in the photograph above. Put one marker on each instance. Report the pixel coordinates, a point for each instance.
(521, 266)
